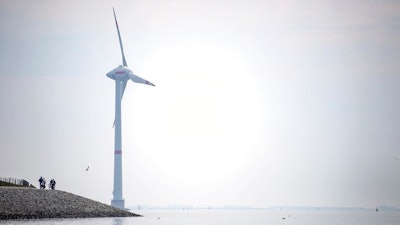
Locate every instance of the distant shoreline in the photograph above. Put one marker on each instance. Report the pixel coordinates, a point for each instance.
(272, 208)
(31, 203)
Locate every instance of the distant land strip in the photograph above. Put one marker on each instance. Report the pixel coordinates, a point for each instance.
(31, 203)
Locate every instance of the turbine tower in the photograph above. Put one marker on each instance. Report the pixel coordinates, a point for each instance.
(121, 75)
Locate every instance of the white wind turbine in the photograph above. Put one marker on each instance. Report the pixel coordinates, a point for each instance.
(121, 75)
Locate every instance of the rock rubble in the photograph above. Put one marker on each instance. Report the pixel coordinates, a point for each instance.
(30, 203)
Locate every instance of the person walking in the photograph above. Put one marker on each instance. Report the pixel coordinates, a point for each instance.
(42, 182)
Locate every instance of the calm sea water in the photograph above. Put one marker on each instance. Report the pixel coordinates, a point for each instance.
(233, 217)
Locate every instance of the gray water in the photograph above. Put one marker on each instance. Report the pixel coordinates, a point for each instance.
(233, 217)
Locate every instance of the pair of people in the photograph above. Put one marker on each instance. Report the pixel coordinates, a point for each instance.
(52, 184)
(42, 183)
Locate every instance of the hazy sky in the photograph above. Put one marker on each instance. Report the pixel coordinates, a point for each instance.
(257, 103)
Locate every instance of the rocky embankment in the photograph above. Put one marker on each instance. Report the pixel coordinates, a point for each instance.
(31, 203)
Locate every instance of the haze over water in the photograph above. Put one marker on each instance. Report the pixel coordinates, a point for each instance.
(234, 217)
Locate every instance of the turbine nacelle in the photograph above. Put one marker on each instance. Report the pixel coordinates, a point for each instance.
(123, 73)
(120, 73)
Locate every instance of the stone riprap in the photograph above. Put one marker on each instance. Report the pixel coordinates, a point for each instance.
(31, 203)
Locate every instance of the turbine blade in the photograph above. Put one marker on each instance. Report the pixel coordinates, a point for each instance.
(120, 41)
(137, 79)
(122, 93)
(123, 88)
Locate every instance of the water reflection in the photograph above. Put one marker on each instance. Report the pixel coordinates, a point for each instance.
(118, 221)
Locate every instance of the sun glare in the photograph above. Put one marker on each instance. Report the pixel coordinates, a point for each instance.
(209, 112)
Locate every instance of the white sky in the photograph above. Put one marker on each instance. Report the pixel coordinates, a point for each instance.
(257, 103)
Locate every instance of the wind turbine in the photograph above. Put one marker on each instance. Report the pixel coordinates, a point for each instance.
(121, 75)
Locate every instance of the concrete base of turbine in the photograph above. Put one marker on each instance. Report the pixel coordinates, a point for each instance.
(118, 203)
